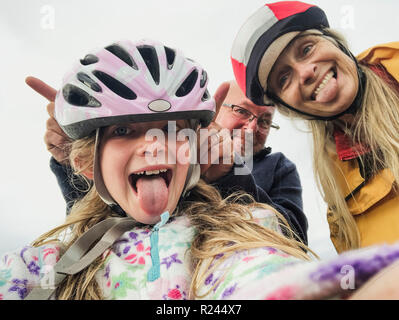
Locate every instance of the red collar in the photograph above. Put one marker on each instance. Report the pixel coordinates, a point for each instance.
(380, 71)
(346, 150)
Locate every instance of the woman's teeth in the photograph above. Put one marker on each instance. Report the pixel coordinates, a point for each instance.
(323, 83)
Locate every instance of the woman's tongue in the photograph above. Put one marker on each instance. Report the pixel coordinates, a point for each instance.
(329, 91)
(152, 194)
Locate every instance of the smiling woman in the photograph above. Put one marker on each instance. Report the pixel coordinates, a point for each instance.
(315, 76)
(351, 106)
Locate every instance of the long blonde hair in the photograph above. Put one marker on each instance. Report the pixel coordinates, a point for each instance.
(222, 226)
(376, 126)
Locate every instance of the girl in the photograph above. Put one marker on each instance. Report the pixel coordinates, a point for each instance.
(178, 238)
(351, 106)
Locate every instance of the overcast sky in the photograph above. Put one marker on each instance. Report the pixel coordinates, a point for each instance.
(44, 38)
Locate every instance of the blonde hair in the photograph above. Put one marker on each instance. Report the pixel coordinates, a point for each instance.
(376, 126)
(222, 226)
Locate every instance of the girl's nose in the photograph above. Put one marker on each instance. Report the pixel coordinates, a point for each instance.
(152, 146)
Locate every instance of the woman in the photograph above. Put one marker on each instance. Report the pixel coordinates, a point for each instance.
(287, 52)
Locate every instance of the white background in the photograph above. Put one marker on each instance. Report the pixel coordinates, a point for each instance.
(43, 38)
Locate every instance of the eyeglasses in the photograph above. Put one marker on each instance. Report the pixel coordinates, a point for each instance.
(263, 121)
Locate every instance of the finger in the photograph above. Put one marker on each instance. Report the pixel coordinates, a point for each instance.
(206, 133)
(50, 109)
(52, 125)
(204, 167)
(42, 88)
(220, 95)
(57, 146)
(211, 150)
(54, 140)
(214, 126)
(218, 161)
(59, 155)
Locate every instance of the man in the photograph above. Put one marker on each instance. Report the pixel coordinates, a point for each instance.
(272, 180)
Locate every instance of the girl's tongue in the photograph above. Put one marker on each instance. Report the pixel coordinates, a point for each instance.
(152, 194)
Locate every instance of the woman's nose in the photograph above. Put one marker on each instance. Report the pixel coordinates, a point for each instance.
(306, 72)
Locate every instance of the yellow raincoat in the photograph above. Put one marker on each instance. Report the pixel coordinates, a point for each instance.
(375, 204)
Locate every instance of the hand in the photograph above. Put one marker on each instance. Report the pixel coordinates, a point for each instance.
(56, 140)
(216, 154)
(383, 286)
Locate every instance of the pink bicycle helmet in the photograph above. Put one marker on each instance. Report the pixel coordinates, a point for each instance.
(133, 82)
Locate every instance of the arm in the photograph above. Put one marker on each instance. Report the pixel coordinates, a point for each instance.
(21, 271)
(270, 274)
(57, 141)
(277, 185)
(286, 196)
(72, 187)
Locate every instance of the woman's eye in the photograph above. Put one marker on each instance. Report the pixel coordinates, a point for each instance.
(307, 49)
(282, 80)
(122, 131)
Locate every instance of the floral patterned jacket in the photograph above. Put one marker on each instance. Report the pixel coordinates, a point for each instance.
(263, 273)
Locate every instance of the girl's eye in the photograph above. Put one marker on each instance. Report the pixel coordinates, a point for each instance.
(168, 128)
(171, 128)
(122, 131)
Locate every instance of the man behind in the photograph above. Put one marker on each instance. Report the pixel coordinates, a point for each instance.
(275, 177)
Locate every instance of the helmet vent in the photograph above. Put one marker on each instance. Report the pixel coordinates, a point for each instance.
(206, 96)
(115, 86)
(150, 58)
(188, 84)
(89, 59)
(78, 97)
(170, 57)
(89, 82)
(122, 54)
(204, 78)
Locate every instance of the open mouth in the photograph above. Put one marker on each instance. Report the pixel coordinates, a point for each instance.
(165, 174)
(331, 74)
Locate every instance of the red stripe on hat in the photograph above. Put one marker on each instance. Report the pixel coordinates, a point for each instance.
(240, 71)
(285, 9)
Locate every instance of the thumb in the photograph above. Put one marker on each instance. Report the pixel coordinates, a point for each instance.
(220, 95)
(42, 88)
(50, 109)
